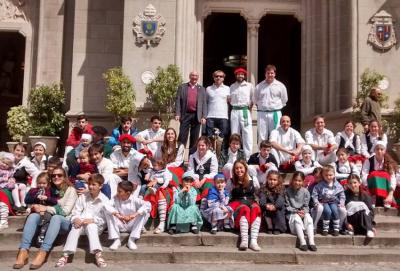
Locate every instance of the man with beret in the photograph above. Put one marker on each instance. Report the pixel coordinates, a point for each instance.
(270, 96)
(121, 156)
(241, 93)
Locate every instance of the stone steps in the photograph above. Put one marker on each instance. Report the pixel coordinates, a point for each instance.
(193, 255)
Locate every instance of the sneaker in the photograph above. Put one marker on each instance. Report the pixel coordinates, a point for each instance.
(214, 230)
(171, 230)
(370, 234)
(335, 233)
(254, 246)
(194, 229)
(131, 244)
(312, 247)
(324, 233)
(387, 206)
(116, 244)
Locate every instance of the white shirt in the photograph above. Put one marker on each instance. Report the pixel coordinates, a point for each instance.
(87, 207)
(343, 170)
(241, 94)
(270, 96)
(306, 168)
(287, 139)
(120, 160)
(217, 101)
(30, 168)
(150, 134)
(200, 162)
(105, 167)
(42, 164)
(326, 137)
(364, 148)
(162, 177)
(130, 206)
(348, 141)
(133, 169)
(179, 157)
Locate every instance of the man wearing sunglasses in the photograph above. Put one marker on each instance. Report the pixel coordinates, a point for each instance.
(217, 105)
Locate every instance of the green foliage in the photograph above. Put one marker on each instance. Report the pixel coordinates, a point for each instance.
(46, 109)
(369, 80)
(120, 98)
(393, 122)
(18, 122)
(162, 90)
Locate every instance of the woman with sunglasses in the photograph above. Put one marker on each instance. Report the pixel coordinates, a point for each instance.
(59, 222)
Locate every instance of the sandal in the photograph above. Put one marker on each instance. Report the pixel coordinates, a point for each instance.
(100, 262)
(62, 261)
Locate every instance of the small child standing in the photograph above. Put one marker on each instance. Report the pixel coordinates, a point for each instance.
(88, 216)
(272, 203)
(42, 195)
(185, 214)
(330, 194)
(216, 210)
(128, 214)
(360, 214)
(297, 199)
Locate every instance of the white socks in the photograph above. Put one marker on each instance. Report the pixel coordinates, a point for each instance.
(244, 233)
(254, 230)
(162, 214)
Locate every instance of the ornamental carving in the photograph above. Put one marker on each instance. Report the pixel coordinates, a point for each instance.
(382, 35)
(11, 10)
(149, 26)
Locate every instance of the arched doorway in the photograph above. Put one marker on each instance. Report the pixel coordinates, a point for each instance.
(225, 35)
(279, 44)
(12, 59)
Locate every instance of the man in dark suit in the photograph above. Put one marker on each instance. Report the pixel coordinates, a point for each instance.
(191, 110)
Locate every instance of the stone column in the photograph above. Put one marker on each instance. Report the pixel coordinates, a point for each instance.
(252, 50)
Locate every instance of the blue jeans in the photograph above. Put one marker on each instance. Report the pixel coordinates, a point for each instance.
(58, 224)
(330, 211)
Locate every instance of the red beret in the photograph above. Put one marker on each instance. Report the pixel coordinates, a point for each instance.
(240, 70)
(127, 137)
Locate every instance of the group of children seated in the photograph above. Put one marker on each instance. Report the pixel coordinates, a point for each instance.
(223, 194)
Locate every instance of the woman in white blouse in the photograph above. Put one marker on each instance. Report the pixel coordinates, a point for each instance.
(368, 139)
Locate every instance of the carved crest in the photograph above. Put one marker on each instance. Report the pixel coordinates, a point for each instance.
(149, 26)
(382, 35)
(11, 10)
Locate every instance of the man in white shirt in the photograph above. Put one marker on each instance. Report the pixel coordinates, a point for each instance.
(121, 156)
(270, 96)
(217, 105)
(286, 141)
(152, 138)
(322, 141)
(241, 93)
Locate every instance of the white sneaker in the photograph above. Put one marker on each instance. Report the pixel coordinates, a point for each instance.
(370, 234)
(387, 206)
(254, 246)
(131, 244)
(116, 244)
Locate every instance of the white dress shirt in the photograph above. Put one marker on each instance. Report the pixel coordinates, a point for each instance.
(241, 94)
(270, 96)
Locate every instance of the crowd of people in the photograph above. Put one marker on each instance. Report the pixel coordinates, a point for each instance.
(134, 178)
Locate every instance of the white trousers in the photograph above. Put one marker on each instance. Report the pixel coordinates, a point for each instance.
(246, 131)
(265, 122)
(134, 227)
(91, 230)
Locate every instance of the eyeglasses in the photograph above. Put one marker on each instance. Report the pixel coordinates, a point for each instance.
(57, 175)
(219, 76)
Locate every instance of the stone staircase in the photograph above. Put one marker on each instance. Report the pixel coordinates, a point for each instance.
(222, 247)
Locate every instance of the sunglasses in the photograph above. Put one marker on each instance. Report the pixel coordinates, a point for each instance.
(57, 175)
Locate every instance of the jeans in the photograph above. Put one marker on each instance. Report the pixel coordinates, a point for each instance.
(330, 211)
(58, 224)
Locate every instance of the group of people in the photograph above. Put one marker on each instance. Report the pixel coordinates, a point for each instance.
(122, 183)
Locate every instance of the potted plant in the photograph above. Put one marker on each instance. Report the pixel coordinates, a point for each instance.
(18, 125)
(46, 114)
(120, 99)
(162, 91)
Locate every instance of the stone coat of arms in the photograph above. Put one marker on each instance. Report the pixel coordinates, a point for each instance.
(382, 35)
(149, 27)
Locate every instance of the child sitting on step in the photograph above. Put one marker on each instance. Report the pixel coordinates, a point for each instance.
(329, 194)
(297, 199)
(185, 215)
(88, 216)
(128, 214)
(272, 203)
(42, 195)
(216, 210)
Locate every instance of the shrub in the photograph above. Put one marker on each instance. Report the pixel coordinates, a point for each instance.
(18, 122)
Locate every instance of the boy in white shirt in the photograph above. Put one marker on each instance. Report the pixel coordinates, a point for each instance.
(88, 216)
(128, 214)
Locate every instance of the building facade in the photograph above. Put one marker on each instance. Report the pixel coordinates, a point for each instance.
(320, 48)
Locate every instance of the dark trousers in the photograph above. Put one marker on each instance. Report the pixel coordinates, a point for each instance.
(190, 123)
(361, 222)
(222, 125)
